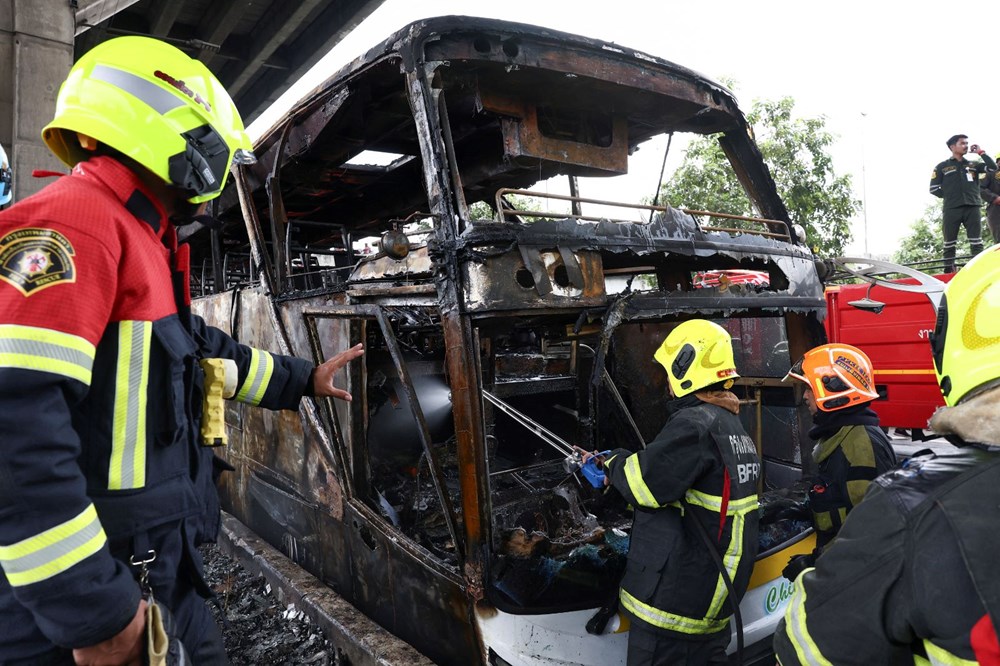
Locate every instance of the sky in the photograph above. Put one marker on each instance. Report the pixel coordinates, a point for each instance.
(893, 79)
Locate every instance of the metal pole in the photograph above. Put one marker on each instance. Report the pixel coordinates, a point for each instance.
(864, 182)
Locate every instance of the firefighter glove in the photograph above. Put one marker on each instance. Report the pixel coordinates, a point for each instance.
(797, 565)
(163, 646)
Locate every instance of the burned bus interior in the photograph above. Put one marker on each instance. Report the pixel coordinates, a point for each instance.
(431, 200)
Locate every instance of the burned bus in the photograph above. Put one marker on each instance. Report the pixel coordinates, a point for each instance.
(430, 200)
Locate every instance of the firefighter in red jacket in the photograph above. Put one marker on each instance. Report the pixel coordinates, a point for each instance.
(693, 487)
(911, 577)
(102, 477)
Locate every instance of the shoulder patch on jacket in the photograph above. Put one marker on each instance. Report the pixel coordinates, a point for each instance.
(33, 259)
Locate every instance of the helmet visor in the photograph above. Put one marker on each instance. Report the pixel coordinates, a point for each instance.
(796, 372)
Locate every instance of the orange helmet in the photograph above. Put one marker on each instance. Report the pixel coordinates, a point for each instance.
(839, 375)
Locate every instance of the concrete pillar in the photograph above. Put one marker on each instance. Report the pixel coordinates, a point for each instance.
(36, 52)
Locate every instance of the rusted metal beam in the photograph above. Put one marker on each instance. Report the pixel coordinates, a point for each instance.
(505, 211)
(279, 218)
(328, 414)
(753, 174)
(468, 413)
(404, 290)
(257, 248)
(461, 346)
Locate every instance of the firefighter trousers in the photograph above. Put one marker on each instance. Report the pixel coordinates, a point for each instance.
(651, 647)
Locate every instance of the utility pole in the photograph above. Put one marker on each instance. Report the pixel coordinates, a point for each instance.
(864, 183)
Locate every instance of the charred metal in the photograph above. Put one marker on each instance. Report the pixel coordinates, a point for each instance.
(363, 221)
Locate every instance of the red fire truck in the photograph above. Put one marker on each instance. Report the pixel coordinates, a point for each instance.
(893, 327)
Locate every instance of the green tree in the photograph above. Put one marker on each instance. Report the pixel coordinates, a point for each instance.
(796, 152)
(925, 241)
(481, 210)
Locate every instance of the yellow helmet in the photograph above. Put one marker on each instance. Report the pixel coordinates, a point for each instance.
(697, 354)
(839, 375)
(965, 342)
(151, 102)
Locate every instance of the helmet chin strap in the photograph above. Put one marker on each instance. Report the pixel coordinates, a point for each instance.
(184, 212)
(184, 218)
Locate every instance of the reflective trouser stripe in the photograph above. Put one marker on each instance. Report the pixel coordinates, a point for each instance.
(731, 560)
(255, 385)
(938, 656)
(641, 492)
(665, 620)
(128, 434)
(714, 503)
(798, 633)
(53, 551)
(32, 348)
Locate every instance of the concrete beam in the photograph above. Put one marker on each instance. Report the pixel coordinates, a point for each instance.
(279, 26)
(219, 23)
(92, 12)
(36, 52)
(163, 18)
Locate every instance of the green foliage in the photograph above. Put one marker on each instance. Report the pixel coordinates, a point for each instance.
(925, 241)
(482, 210)
(796, 152)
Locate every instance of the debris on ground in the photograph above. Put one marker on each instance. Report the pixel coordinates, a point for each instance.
(258, 629)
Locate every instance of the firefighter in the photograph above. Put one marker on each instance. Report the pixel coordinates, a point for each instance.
(912, 576)
(105, 490)
(851, 449)
(693, 487)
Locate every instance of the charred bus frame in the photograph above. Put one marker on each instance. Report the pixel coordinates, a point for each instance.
(418, 502)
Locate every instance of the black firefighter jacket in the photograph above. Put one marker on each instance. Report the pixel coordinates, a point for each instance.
(704, 467)
(851, 451)
(912, 577)
(100, 402)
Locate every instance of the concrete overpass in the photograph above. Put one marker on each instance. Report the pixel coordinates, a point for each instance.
(257, 48)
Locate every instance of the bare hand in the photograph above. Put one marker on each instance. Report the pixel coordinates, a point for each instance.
(122, 649)
(323, 374)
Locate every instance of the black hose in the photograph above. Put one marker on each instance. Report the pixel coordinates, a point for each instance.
(713, 551)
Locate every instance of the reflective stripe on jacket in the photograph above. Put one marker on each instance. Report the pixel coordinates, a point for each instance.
(847, 462)
(701, 461)
(906, 578)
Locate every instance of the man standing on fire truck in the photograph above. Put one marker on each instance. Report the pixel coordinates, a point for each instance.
(105, 490)
(693, 487)
(957, 181)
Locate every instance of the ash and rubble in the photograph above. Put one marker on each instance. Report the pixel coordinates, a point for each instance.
(257, 628)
